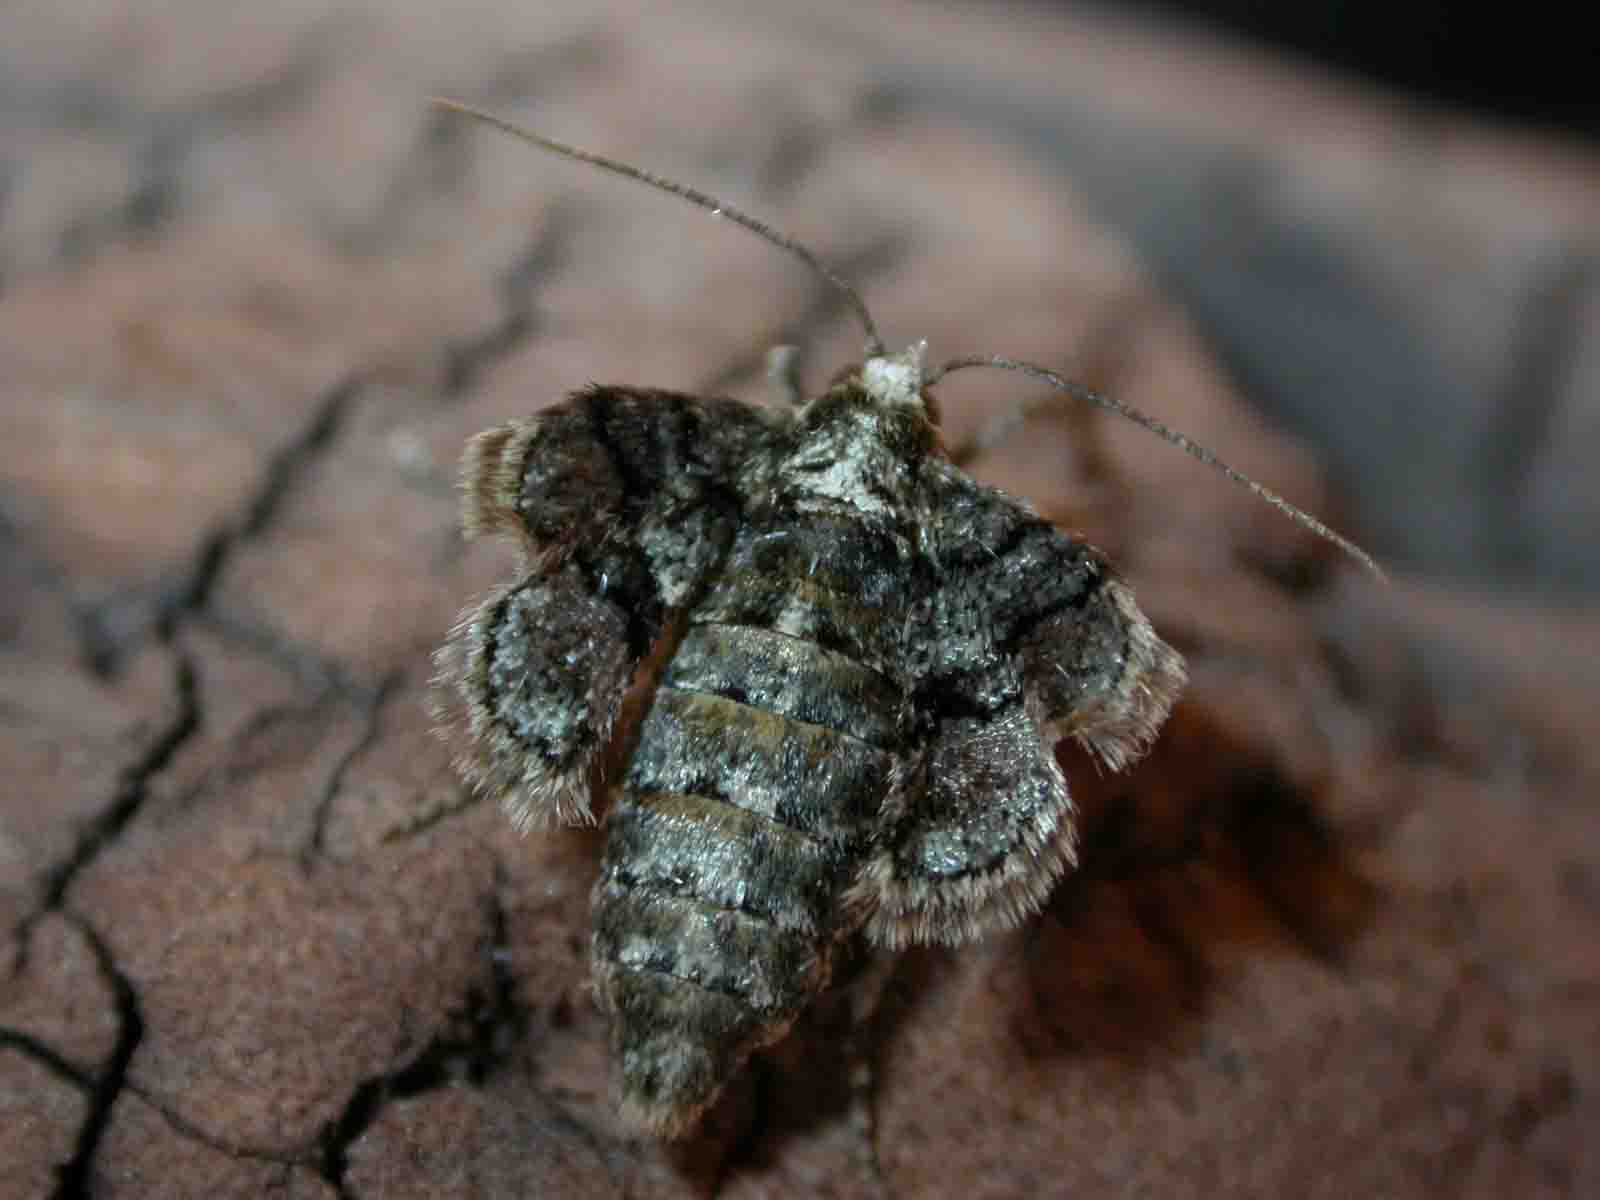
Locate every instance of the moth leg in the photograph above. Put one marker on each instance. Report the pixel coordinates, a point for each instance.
(540, 667)
(981, 832)
(866, 995)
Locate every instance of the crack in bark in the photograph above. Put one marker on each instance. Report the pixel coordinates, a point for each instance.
(73, 1176)
(283, 470)
(439, 163)
(186, 1128)
(238, 759)
(105, 1085)
(371, 717)
(465, 361)
(314, 672)
(161, 140)
(148, 206)
(133, 787)
(490, 1021)
(434, 167)
(466, 798)
(29, 563)
(113, 628)
(47, 1056)
(111, 635)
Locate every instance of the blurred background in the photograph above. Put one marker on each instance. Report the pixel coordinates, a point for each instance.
(1373, 367)
(1382, 218)
(1530, 70)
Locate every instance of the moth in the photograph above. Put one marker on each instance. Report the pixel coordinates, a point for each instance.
(866, 661)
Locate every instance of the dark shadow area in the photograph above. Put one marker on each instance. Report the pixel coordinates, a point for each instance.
(1525, 66)
(1204, 846)
(824, 1073)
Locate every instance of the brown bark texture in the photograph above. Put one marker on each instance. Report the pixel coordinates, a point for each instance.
(1339, 935)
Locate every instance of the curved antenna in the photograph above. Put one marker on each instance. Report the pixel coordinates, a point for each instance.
(1191, 448)
(875, 346)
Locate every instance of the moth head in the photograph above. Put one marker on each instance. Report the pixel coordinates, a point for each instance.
(896, 383)
(896, 380)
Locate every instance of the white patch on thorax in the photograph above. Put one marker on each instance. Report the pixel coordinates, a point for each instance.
(845, 481)
(847, 466)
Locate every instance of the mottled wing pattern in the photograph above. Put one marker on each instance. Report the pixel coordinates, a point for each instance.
(621, 499)
(1023, 636)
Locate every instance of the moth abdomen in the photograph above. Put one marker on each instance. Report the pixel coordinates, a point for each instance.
(767, 969)
(712, 928)
(675, 1044)
(792, 678)
(801, 776)
(693, 985)
(757, 774)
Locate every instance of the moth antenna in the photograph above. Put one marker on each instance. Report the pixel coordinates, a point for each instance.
(1191, 448)
(875, 346)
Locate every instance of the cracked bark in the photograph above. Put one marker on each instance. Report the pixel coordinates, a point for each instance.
(132, 790)
(1337, 928)
(188, 590)
(484, 1027)
(74, 1178)
(465, 361)
(372, 712)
